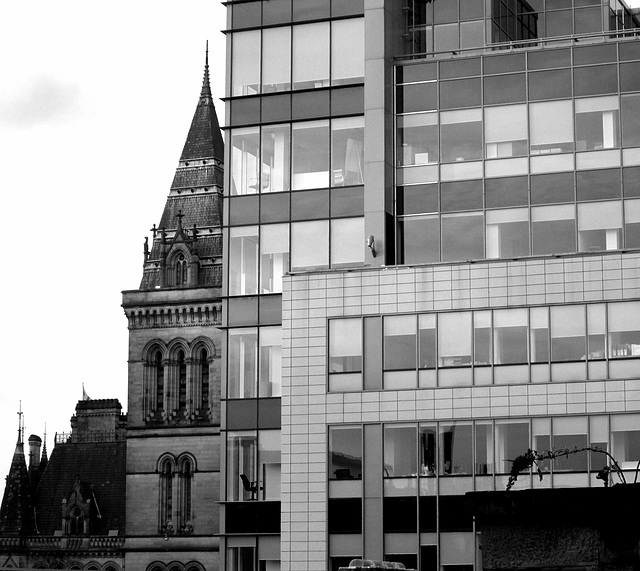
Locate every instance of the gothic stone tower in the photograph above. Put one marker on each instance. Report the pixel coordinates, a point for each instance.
(173, 438)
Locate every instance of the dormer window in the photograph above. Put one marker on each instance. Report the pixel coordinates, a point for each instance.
(75, 523)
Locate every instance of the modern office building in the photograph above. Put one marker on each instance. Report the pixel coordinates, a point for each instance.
(452, 188)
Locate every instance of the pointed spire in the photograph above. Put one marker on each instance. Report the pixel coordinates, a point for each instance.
(206, 87)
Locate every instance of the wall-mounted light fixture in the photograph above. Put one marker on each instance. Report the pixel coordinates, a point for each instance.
(371, 244)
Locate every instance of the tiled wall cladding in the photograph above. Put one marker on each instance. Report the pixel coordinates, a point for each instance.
(307, 408)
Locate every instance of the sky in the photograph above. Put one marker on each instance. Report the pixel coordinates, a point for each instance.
(96, 100)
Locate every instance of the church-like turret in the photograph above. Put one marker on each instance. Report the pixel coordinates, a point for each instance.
(187, 243)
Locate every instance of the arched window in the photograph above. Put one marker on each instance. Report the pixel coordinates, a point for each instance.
(166, 497)
(182, 380)
(181, 270)
(185, 482)
(204, 373)
(159, 373)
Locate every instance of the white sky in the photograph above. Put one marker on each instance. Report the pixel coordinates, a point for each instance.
(96, 100)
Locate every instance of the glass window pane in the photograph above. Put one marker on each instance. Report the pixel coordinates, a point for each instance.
(461, 135)
(631, 120)
(345, 452)
(310, 205)
(345, 345)
(510, 336)
(446, 37)
(506, 191)
(481, 337)
(427, 341)
(311, 56)
(507, 233)
(625, 440)
(471, 33)
(553, 229)
(599, 226)
(417, 97)
(270, 365)
(310, 245)
(347, 151)
(624, 329)
(454, 339)
(245, 150)
(269, 465)
(570, 434)
(276, 58)
(551, 127)
(632, 223)
(274, 256)
(347, 51)
(310, 155)
(417, 139)
(241, 461)
(456, 449)
(400, 342)
(275, 158)
(243, 260)
(504, 88)
(245, 63)
(419, 238)
(595, 80)
(428, 452)
(598, 184)
(484, 448)
(460, 93)
(596, 329)
(505, 131)
(243, 363)
(552, 188)
(550, 84)
(462, 237)
(597, 123)
(568, 333)
(400, 451)
(539, 327)
(512, 440)
(347, 241)
(462, 195)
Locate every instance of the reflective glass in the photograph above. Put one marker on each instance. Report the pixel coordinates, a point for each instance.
(625, 440)
(417, 97)
(310, 245)
(241, 461)
(550, 84)
(588, 20)
(245, 63)
(599, 226)
(570, 434)
(551, 127)
(428, 452)
(560, 23)
(310, 205)
(310, 155)
(597, 121)
(507, 191)
(539, 331)
(505, 88)
(274, 256)
(276, 58)
(510, 336)
(269, 466)
(624, 329)
(242, 365)
(310, 9)
(462, 237)
(481, 338)
(427, 341)
(345, 345)
(347, 241)
(399, 342)
(512, 440)
(599, 184)
(347, 201)
(311, 55)
(275, 158)
(454, 339)
(632, 223)
(630, 76)
(460, 93)
(245, 149)
(243, 260)
(345, 452)
(417, 199)
(347, 51)
(461, 135)
(631, 182)
(270, 362)
(507, 233)
(594, 80)
(347, 151)
(631, 120)
(552, 188)
(553, 229)
(400, 451)
(462, 195)
(417, 139)
(419, 238)
(505, 131)
(446, 37)
(456, 443)
(568, 333)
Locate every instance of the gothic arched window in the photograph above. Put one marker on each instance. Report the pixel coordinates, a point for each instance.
(159, 373)
(182, 380)
(181, 270)
(166, 496)
(204, 373)
(185, 481)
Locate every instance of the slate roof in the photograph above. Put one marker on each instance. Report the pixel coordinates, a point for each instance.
(101, 466)
(198, 177)
(201, 210)
(204, 139)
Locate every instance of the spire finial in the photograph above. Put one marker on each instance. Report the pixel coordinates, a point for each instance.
(206, 88)
(20, 428)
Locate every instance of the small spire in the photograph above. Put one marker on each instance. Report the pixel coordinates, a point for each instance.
(20, 425)
(206, 88)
